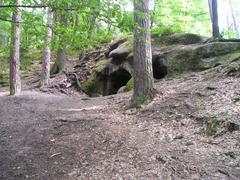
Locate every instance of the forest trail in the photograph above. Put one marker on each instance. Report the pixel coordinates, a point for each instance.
(189, 131)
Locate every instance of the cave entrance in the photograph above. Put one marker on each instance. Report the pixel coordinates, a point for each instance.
(159, 69)
(118, 79)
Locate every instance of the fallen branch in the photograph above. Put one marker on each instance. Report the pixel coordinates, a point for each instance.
(56, 154)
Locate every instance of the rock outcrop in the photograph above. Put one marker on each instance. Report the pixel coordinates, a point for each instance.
(172, 55)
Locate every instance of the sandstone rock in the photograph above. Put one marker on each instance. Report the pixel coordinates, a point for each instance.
(184, 38)
(119, 55)
(187, 54)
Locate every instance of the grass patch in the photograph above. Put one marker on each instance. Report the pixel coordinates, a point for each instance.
(212, 125)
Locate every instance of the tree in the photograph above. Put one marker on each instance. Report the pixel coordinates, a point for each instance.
(235, 25)
(15, 80)
(213, 7)
(47, 51)
(143, 73)
(61, 60)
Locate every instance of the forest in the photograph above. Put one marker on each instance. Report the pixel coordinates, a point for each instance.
(119, 89)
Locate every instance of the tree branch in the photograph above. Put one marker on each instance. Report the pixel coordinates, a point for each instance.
(9, 20)
(35, 6)
(23, 6)
(21, 22)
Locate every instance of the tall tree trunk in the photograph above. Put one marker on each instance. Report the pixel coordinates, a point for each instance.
(15, 79)
(45, 76)
(2, 43)
(213, 7)
(143, 73)
(235, 25)
(61, 60)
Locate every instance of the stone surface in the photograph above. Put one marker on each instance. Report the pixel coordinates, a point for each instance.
(187, 53)
(183, 38)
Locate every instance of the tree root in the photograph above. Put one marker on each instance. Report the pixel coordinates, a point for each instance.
(214, 39)
(78, 83)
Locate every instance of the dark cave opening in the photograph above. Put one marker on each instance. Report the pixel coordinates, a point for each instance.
(118, 79)
(159, 69)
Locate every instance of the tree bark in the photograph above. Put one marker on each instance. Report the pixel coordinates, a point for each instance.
(45, 76)
(143, 73)
(213, 7)
(235, 25)
(2, 42)
(15, 79)
(61, 60)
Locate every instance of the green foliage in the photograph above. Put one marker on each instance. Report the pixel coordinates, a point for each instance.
(4, 70)
(171, 16)
(27, 57)
(93, 22)
(129, 85)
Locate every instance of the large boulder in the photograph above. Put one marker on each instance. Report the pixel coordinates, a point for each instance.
(183, 38)
(197, 57)
(187, 53)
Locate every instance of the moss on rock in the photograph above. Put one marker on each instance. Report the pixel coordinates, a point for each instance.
(182, 38)
(100, 65)
(92, 86)
(228, 65)
(129, 85)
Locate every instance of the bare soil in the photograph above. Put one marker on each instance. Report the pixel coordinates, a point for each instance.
(189, 131)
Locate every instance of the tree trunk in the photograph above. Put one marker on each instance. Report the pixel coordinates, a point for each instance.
(2, 43)
(235, 25)
(45, 76)
(143, 73)
(213, 7)
(61, 60)
(15, 79)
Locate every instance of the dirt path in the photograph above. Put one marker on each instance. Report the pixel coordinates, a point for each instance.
(46, 136)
